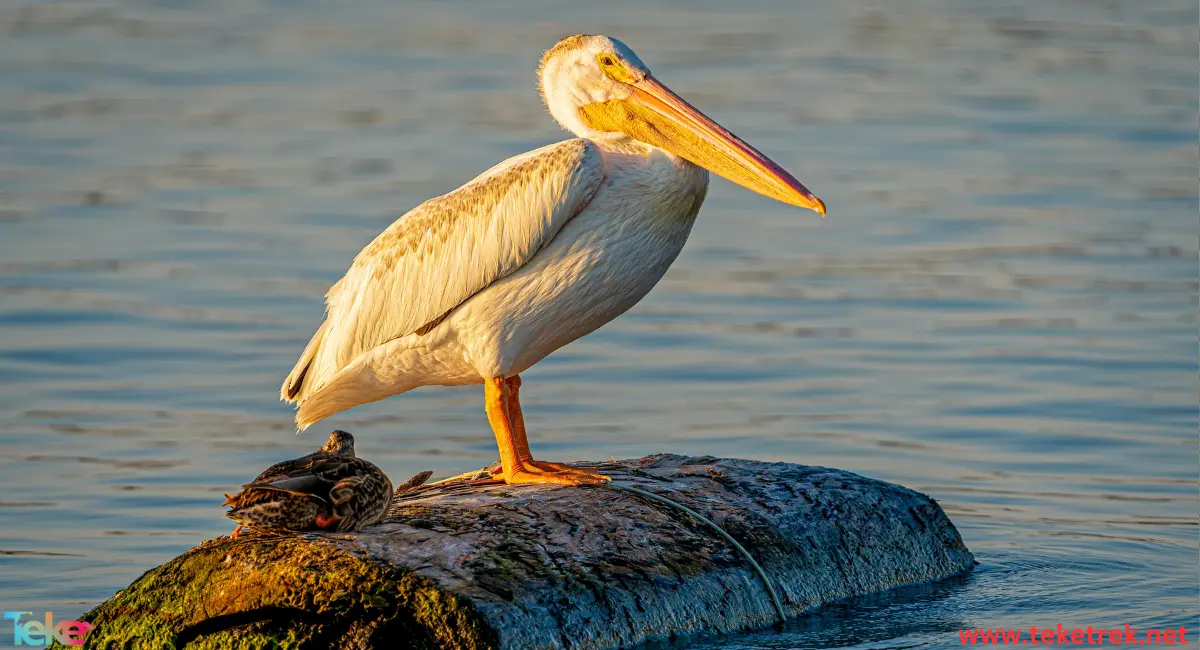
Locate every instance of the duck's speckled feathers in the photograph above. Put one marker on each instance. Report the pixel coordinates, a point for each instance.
(329, 489)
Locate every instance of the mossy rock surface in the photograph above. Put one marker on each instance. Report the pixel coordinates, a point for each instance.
(283, 592)
(457, 566)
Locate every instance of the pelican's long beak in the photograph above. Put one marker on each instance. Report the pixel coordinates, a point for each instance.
(659, 117)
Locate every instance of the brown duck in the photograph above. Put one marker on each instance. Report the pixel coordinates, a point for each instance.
(329, 489)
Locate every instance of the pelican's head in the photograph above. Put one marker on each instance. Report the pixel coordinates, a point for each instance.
(596, 86)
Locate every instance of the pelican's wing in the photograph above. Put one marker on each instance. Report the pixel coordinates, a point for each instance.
(444, 251)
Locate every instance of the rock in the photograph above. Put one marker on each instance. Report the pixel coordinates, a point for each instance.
(461, 565)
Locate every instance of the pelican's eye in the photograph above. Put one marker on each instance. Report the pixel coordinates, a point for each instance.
(612, 67)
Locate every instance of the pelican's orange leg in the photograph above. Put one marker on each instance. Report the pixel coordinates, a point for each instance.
(518, 424)
(516, 461)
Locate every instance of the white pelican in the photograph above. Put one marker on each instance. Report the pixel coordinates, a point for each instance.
(479, 284)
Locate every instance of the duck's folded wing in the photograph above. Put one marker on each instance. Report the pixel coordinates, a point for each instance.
(444, 251)
(313, 476)
(306, 484)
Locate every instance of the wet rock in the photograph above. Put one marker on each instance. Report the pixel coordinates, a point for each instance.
(461, 565)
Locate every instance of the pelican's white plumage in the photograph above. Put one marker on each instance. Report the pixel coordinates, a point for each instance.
(479, 284)
(444, 251)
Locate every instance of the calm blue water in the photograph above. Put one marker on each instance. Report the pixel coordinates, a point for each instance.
(999, 311)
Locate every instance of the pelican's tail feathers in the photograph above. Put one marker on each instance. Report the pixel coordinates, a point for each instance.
(357, 384)
(369, 378)
(300, 381)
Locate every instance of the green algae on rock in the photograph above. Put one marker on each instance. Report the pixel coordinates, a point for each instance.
(283, 591)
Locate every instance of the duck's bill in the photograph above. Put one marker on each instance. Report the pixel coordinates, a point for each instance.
(659, 117)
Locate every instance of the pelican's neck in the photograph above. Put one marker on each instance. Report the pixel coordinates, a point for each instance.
(625, 144)
(656, 170)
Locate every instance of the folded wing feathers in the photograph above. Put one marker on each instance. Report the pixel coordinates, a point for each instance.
(443, 252)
